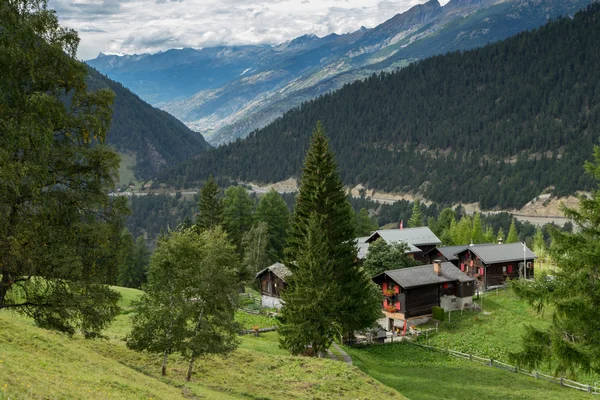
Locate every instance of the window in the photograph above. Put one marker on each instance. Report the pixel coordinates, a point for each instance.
(269, 288)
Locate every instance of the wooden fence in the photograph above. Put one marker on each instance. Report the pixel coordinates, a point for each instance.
(512, 368)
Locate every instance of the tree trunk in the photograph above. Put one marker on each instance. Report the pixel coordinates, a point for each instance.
(191, 367)
(163, 369)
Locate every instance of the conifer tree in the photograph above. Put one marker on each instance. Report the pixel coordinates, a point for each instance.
(323, 199)
(210, 206)
(513, 236)
(273, 210)
(416, 219)
(364, 225)
(477, 234)
(572, 342)
(238, 210)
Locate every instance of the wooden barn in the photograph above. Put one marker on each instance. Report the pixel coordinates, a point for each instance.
(494, 264)
(412, 292)
(272, 282)
(420, 240)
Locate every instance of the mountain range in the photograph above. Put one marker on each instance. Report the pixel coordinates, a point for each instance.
(227, 92)
(498, 125)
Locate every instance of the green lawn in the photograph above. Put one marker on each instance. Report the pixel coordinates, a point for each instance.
(495, 333)
(126, 174)
(424, 374)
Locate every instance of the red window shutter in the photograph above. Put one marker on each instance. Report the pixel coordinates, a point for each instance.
(396, 289)
(397, 305)
(384, 286)
(445, 286)
(509, 269)
(481, 271)
(462, 267)
(385, 303)
(471, 263)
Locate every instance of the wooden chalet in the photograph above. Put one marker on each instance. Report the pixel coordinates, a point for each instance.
(448, 253)
(420, 240)
(272, 282)
(413, 292)
(494, 264)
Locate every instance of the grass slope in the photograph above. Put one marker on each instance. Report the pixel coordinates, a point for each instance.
(495, 333)
(424, 374)
(35, 363)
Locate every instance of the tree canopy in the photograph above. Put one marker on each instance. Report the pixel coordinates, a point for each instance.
(57, 221)
(572, 342)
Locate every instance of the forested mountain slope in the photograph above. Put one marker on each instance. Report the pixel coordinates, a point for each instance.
(157, 138)
(498, 124)
(226, 92)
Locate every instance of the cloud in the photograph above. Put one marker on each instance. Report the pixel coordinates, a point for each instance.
(146, 26)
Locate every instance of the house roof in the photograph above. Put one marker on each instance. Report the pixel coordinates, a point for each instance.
(425, 275)
(414, 236)
(362, 246)
(450, 252)
(495, 253)
(280, 271)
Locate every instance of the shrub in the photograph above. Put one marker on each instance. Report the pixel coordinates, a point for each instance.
(438, 313)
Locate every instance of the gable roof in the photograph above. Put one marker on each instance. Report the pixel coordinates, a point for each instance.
(413, 236)
(362, 246)
(425, 275)
(495, 253)
(450, 252)
(278, 269)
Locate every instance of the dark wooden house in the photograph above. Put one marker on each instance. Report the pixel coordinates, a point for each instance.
(272, 282)
(449, 253)
(494, 264)
(412, 292)
(420, 240)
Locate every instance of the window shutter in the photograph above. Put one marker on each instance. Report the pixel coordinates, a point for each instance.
(510, 269)
(384, 286)
(445, 285)
(398, 305)
(462, 267)
(385, 303)
(481, 271)
(396, 289)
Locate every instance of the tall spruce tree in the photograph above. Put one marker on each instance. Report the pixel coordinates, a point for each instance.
(364, 225)
(572, 342)
(210, 206)
(322, 197)
(238, 216)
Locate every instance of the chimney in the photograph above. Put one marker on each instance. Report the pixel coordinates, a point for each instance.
(500, 240)
(437, 267)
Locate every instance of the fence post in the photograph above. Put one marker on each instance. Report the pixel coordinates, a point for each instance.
(561, 381)
(491, 362)
(536, 374)
(470, 357)
(516, 369)
(590, 388)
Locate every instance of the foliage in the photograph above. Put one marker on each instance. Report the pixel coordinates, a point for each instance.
(539, 244)
(272, 209)
(132, 272)
(210, 206)
(573, 339)
(438, 313)
(513, 236)
(256, 250)
(384, 257)
(238, 210)
(416, 218)
(190, 299)
(56, 218)
(364, 225)
(476, 126)
(323, 218)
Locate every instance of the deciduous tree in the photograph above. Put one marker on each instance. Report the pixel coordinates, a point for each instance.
(383, 257)
(56, 218)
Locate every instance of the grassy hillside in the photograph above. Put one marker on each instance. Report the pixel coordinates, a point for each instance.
(496, 332)
(35, 363)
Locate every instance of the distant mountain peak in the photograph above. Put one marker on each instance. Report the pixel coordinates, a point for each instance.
(109, 54)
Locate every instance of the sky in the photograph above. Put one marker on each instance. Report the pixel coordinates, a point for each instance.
(149, 26)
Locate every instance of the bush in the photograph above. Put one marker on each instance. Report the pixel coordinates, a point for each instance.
(438, 313)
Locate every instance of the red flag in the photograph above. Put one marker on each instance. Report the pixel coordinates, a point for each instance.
(404, 329)
(401, 223)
